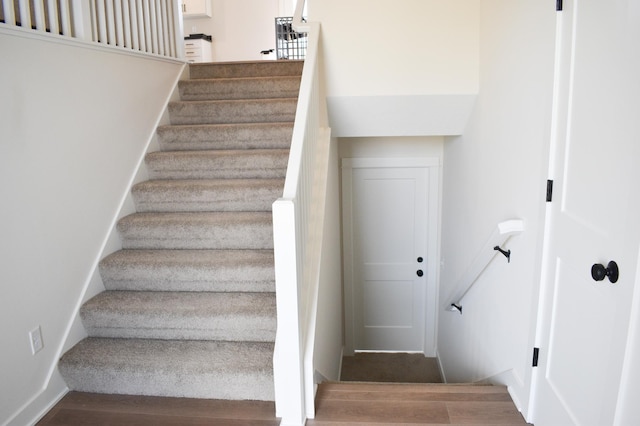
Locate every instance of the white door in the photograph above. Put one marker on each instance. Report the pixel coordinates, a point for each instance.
(592, 219)
(389, 220)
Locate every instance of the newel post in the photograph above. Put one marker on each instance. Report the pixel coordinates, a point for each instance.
(287, 360)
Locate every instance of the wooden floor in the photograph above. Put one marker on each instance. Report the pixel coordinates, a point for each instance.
(413, 404)
(346, 403)
(78, 408)
(340, 404)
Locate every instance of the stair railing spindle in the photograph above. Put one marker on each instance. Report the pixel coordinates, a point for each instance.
(9, 12)
(53, 17)
(101, 22)
(25, 13)
(38, 15)
(142, 31)
(126, 25)
(166, 33)
(118, 23)
(133, 22)
(153, 24)
(65, 19)
(147, 26)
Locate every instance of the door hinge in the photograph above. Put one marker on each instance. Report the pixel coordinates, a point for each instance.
(549, 190)
(536, 352)
(558, 5)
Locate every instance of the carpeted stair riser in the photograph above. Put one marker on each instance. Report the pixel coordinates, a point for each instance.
(189, 270)
(206, 230)
(233, 111)
(189, 309)
(225, 136)
(240, 88)
(178, 368)
(218, 164)
(191, 315)
(246, 69)
(206, 195)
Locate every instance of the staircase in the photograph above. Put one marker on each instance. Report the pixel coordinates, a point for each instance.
(189, 307)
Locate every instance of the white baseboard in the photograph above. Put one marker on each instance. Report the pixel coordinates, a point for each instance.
(39, 405)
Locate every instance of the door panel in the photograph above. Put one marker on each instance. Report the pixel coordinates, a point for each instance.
(584, 323)
(387, 218)
(389, 233)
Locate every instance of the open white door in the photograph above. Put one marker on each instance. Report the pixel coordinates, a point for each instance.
(592, 219)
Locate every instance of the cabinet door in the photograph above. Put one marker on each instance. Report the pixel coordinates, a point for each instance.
(196, 8)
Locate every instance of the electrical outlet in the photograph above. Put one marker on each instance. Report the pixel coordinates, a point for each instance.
(35, 337)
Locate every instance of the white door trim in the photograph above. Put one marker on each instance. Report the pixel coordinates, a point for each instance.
(433, 164)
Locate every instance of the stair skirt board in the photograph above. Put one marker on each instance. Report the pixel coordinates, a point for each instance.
(189, 308)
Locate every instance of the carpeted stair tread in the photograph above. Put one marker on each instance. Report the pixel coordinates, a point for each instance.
(179, 368)
(206, 195)
(189, 270)
(245, 69)
(225, 136)
(233, 111)
(240, 88)
(198, 230)
(218, 164)
(181, 315)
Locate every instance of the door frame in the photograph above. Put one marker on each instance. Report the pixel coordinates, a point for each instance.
(433, 166)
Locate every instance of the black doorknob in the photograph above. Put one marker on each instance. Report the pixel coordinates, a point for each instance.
(420, 259)
(419, 272)
(599, 272)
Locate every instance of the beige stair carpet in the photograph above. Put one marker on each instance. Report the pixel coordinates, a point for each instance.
(189, 309)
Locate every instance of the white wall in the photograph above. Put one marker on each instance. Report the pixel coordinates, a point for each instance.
(494, 172)
(389, 147)
(327, 356)
(241, 29)
(399, 68)
(75, 122)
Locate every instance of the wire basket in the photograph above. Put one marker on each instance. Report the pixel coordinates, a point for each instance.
(289, 43)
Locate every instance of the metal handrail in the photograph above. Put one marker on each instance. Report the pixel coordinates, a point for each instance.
(498, 238)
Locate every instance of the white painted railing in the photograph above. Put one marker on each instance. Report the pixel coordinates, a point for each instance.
(498, 238)
(297, 227)
(148, 26)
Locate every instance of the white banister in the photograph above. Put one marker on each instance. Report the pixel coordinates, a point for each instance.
(500, 235)
(297, 227)
(146, 26)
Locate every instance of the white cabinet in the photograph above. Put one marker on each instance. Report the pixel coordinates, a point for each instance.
(197, 50)
(196, 8)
